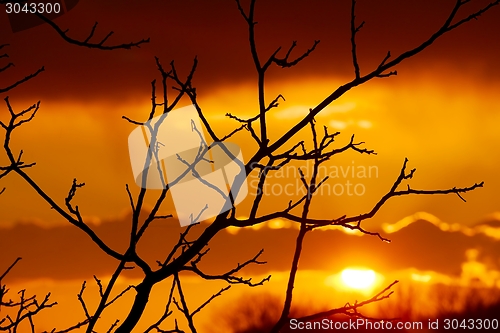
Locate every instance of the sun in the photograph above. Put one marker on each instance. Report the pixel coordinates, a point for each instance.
(358, 279)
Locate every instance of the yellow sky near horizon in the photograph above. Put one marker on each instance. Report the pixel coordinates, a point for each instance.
(315, 290)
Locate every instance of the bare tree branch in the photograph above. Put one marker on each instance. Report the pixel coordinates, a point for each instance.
(9, 268)
(27, 307)
(354, 30)
(311, 188)
(183, 306)
(380, 70)
(86, 42)
(352, 310)
(187, 253)
(229, 275)
(166, 314)
(343, 220)
(82, 301)
(71, 328)
(21, 81)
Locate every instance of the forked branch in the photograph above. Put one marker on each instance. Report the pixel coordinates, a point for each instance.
(11, 64)
(26, 308)
(87, 41)
(352, 309)
(229, 276)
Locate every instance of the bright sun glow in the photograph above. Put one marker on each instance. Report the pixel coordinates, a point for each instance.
(358, 278)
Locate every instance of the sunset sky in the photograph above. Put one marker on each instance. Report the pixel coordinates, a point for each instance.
(441, 111)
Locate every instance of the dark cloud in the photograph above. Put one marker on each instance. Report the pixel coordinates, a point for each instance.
(67, 253)
(216, 33)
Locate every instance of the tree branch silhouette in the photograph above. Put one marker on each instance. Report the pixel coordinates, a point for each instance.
(87, 42)
(352, 309)
(269, 157)
(25, 309)
(20, 81)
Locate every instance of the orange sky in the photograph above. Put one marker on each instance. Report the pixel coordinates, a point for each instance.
(441, 111)
(444, 100)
